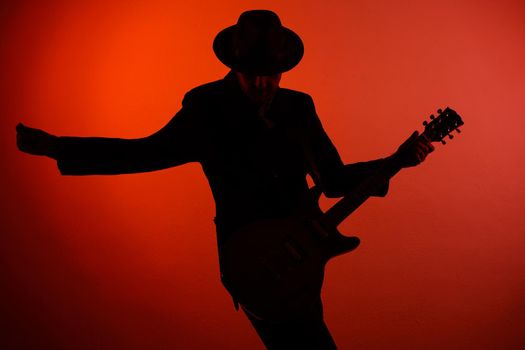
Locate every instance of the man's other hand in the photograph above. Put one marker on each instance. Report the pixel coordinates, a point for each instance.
(413, 151)
(35, 141)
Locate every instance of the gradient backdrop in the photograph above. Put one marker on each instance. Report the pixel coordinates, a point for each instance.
(130, 262)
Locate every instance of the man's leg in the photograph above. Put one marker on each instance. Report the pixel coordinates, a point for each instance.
(309, 333)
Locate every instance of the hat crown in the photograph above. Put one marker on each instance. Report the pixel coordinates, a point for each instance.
(259, 18)
(259, 35)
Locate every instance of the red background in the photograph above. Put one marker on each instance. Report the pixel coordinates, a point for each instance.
(130, 262)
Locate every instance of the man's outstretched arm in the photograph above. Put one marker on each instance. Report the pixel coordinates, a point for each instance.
(176, 143)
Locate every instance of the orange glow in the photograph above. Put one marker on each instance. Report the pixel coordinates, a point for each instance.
(130, 262)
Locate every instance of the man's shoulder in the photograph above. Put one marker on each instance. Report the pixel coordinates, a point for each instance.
(294, 94)
(296, 100)
(206, 91)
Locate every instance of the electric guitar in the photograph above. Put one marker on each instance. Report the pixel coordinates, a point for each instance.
(274, 268)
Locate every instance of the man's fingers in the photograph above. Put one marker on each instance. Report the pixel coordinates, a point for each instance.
(426, 146)
(425, 141)
(415, 149)
(421, 155)
(425, 138)
(414, 136)
(420, 152)
(22, 129)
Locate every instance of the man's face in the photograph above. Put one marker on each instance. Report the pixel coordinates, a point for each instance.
(259, 88)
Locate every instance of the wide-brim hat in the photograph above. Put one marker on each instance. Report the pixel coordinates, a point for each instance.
(258, 44)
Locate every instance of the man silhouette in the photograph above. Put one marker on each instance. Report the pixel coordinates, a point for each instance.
(256, 143)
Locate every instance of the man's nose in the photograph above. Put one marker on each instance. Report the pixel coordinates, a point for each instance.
(260, 82)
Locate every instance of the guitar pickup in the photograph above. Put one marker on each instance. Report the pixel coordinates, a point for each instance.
(319, 229)
(284, 258)
(293, 249)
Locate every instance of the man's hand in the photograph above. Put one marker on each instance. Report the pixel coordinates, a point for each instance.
(413, 151)
(35, 141)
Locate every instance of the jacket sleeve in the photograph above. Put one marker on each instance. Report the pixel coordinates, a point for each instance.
(325, 166)
(178, 142)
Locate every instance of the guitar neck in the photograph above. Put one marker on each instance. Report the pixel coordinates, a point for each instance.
(373, 184)
(435, 130)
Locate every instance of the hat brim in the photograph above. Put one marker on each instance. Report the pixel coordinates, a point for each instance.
(291, 54)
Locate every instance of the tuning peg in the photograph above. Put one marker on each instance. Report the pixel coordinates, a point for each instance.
(450, 136)
(440, 111)
(432, 116)
(443, 142)
(459, 131)
(425, 123)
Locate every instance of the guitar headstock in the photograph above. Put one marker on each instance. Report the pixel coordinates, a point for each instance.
(442, 125)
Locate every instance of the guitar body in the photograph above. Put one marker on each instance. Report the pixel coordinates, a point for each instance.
(275, 267)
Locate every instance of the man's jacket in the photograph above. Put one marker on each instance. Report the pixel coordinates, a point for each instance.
(256, 166)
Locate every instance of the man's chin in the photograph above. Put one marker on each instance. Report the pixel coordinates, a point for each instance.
(263, 100)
